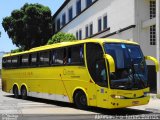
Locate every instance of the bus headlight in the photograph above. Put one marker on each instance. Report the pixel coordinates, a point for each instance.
(117, 96)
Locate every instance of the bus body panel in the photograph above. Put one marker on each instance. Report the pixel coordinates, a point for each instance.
(60, 82)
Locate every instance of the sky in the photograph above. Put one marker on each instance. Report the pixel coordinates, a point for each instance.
(7, 6)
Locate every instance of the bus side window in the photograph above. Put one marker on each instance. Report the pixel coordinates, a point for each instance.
(14, 61)
(4, 62)
(8, 62)
(33, 59)
(75, 55)
(44, 58)
(24, 60)
(58, 56)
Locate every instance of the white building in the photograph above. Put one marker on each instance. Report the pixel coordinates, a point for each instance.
(124, 19)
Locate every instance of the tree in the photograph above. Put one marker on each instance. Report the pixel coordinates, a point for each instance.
(61, 37)
(0, 33)
(16, 50)
(31, 26)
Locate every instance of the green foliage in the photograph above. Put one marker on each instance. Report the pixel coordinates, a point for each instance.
(16, 50)
(61, 37)
(31, 26)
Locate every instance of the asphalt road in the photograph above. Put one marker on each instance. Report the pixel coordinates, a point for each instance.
(40, 109)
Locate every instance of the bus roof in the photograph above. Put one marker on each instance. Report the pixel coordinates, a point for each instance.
(63, 44)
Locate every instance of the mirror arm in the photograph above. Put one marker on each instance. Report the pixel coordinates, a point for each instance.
(111, 62)
(154, 60)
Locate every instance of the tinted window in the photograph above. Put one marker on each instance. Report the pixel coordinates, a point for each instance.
(4, 61)
(99, 25)
(24, 60)
(77, 35)
(78, 7)
(80, 34)
(88, 3)
(104, 22)
(33, 59)
(86, 31)
(59, 56)
(44, 58)
(91, 29)
(63, 19)
(96, 64)
(15, 61)
(58, 24)
(75, 55)
(70, 14)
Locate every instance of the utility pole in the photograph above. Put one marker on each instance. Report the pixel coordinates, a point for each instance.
(158, 41)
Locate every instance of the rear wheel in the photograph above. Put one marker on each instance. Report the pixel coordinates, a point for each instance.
(24, 92)
(15, 92)
(80, 100)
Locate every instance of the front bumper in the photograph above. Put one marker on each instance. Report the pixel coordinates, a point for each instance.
(123, 103)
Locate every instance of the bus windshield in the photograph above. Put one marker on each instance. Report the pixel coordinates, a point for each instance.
(131, 69)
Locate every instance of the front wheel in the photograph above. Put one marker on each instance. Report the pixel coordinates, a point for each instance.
(80, 100)
(24, 93)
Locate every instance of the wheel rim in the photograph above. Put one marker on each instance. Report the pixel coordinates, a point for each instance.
(24, 93)
(80, 100)
(83, 100)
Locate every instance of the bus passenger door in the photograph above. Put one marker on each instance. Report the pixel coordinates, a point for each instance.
(98, 72)
(101, 83)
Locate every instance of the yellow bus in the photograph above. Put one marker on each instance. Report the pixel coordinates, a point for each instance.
(106, 73)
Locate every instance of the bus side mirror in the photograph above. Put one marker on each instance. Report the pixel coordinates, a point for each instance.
(111, 62)
(154, 60)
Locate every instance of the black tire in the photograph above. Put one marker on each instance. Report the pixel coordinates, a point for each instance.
(80, 100)
(24, 93)
(15, 92)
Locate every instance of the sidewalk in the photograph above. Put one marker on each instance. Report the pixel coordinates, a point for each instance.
(153, 105)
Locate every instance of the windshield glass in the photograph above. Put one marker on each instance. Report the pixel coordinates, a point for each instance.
(131, 70)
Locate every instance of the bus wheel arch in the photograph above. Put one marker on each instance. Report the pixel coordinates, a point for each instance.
(80, 98)
(15, 90)
(24, 91)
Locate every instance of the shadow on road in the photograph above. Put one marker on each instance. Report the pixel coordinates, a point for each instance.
(120, 111)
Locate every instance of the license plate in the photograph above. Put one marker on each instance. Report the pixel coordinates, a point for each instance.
(135, 102)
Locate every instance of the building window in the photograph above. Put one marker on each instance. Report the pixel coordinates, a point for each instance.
(80, 34)
(105, 22)
(152, 9)
(58, 24)
(77, 35)
(70, 11)
(153, 35)
(87, 32)
(63, 19)
(54, 28)
(99, 24)
(91, 29)
(78, 7)
(88, 3)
